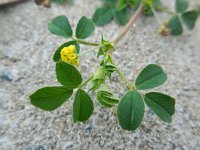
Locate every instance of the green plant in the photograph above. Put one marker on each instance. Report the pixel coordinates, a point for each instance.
(130, 108)
(120, 11)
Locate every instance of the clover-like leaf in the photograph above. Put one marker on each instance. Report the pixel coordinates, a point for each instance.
(162, 105)
(68, 75)
(57, 56)
(150, 77)
(85, 28)
(121, 16)
(190, 18)
(82, 106)
(50, 98)
(130, 110)
(60, 26)
(181, 5)
(175, 26)
(102, 16)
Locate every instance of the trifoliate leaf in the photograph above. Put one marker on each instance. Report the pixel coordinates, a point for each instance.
(82, 106)
(162, 105)
(150, 77)
(68, 75)
(130, 110)
(50, 98)
(60, 26)
(84, 28)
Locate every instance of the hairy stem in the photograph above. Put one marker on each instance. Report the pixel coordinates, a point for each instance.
(87, 43)
(128, 84)
(129, 24)
(166, 10)
(155, 15)
(85, 82)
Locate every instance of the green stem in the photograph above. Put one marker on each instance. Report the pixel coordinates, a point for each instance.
(166, 10)
(128, 84)
(85, 52)
(85, 82)
(155, 15)
(86, 43)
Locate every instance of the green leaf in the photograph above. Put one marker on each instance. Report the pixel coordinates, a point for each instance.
(121, 16)
(190, 18)
(57, 56)
(102, 16)
(175, 26)
(82, 107)
(162, 105)
(50, 98)
(68, 75)
(150, 77)
(130, 110)
(60, 26)
(181, 5)
(121, 4)
(84, 28)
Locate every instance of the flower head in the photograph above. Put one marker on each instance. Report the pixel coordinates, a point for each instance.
(164, 29)
(69, 55)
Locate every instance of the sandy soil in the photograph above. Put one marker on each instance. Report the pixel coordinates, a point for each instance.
(26, 49)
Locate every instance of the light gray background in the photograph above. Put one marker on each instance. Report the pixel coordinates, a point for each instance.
(26, 50)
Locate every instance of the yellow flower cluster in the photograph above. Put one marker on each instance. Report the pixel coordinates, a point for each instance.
(164, 29)
(69, 55)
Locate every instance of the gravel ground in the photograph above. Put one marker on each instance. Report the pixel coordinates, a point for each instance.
(26, 49)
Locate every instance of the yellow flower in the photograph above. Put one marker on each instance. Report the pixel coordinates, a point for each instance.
(74, 62)
(68, 55)
(69, 49)
(71, 56)
(164, 29)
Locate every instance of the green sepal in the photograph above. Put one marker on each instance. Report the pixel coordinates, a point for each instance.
(105, 47)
